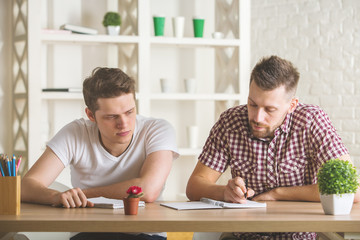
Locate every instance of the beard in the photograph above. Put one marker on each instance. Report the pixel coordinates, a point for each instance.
(264, 132)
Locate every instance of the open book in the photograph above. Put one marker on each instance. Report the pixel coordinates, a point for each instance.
(102, 202)
(207, 203)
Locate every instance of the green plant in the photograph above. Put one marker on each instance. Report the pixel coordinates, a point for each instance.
(112, 19)
(337, 177)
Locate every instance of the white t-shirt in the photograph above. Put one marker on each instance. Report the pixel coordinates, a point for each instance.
(78, 144)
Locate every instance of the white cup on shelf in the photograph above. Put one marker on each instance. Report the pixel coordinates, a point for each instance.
(178, 26)
(190, 85)
(192, 136)
(164, 85)
(217, 35)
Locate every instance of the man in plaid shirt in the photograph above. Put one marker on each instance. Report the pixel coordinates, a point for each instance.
(275, 142)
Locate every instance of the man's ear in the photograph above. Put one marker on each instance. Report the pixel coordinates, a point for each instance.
(89, 114)
(293, 104)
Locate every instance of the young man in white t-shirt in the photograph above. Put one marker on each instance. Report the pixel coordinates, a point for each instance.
(113, 150)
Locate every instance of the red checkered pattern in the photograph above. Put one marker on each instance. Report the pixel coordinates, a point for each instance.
(304, 141)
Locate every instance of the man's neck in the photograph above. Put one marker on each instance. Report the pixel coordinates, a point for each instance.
(114, 149)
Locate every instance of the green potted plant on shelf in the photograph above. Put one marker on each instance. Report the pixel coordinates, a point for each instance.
(338, 183)
(112, 22)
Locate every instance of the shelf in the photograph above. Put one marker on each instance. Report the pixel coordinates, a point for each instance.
(195, 42)
(194, 96)
(83, 38)
(106, 39)
(159, 96)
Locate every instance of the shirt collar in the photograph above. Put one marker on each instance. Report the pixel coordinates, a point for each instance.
(285, 126)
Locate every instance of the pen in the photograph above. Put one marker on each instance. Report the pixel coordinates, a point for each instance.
(212, 202)
(246, 186)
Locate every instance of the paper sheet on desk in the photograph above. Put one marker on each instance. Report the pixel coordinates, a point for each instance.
(102, 202)
(206, 203)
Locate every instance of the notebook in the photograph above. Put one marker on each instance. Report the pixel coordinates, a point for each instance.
(102, 202)
(207, 203)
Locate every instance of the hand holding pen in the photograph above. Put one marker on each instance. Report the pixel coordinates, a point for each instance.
(237, 190)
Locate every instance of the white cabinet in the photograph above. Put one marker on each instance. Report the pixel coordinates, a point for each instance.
(220, 67)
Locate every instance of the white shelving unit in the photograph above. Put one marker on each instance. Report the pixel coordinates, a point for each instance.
(221, 67)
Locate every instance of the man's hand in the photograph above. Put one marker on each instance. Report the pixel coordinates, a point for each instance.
(235, 191)
(73, 198)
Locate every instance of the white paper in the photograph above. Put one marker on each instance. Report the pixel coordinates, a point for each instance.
(102, 202)
(207, 203)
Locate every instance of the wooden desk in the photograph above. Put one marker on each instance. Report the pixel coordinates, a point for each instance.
(277, 217)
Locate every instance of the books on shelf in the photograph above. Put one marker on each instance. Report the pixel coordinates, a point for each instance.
(207, 203)
(74, 90)
(103, 202)
(55, 31)
(79, 29)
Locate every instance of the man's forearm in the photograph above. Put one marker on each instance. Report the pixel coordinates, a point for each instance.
(33, 191)
(118, 190)
(297, 193)
(198, 188)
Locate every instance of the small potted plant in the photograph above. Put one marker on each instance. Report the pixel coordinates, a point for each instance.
(131, 202)
(338, 182)
(112, 22)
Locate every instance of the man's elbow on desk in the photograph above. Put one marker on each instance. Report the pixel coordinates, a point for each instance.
(149, 198)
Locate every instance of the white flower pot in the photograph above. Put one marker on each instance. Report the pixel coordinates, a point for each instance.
(337, 204)
(113, 30)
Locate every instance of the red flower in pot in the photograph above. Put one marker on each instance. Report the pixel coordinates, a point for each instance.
(131, 203)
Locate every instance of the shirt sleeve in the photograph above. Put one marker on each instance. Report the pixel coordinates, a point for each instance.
(326, 143)
(62, 144)
(161, 136)
(215, 153)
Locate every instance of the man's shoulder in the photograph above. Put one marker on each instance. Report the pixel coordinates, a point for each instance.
(148, 121)
(150, 124)
(307, 109)
(304, 114)
(79, 126)
(235, 116)
(81, 123)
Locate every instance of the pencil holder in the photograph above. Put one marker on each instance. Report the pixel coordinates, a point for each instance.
(10, 190)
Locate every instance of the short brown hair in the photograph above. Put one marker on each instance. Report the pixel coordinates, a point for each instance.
(106, 83)
(273, 72)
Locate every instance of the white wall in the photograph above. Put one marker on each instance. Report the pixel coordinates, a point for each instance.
(322, 38)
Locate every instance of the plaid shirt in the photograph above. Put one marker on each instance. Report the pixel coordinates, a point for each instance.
(301, 144)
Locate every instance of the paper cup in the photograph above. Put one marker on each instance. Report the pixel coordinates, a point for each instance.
(159, 23)
(178, 26)
(164, 85)
(190, 85)
(198, 24)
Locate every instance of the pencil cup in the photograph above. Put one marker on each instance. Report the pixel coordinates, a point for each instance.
(10, 189)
